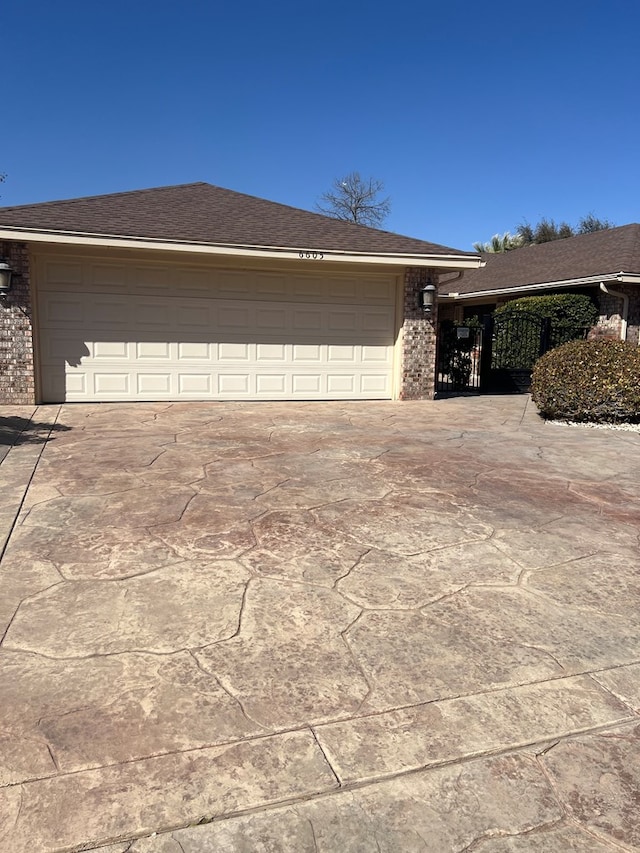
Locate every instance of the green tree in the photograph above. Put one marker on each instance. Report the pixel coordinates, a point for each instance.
(356, 199)
(590, 223)
(500, 243)
(544, 231)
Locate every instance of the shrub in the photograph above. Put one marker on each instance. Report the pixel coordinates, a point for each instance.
(591, 381)
(564, 309)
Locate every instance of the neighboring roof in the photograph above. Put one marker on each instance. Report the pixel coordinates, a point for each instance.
(204, 214)
(601, 253)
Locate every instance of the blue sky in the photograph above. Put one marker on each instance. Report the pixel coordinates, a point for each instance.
(475, 115)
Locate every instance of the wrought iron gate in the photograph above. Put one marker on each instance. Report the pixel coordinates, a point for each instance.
(512, 345)
(458, 357)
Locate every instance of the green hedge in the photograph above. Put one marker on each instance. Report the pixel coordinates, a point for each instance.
(591, 381)
(568, 309)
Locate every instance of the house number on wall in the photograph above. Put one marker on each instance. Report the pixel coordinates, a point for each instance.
(316, 256)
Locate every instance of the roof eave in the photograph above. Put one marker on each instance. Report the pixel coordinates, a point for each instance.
(630, 278)
(444, 261)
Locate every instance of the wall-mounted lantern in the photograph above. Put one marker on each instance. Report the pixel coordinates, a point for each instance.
(5, 277)
(428, 298)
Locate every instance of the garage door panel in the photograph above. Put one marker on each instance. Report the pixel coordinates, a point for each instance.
(58, 354)
(189, 350)
(154, 350)
(377, 291)
(112, 276)
(199, 384)
(233, 352)
(77, 383)
(193, 316)
(271, 384)
(193, 283)
(376, 320)
(306, 384)
(64, 310)
(136, 346)
(307, 352)
(273, 319)
(111, 382)
(153, 279)
(234, 285)
(233, 317)
(343, 321)
(108, 313)
(109, 350)
(154, 315)
(273, 352)
(307, 288)
(341, 353)
(375, 354)
(342, 290)
(153, 383)
(375, 384)
(341, 384)
(67, 273)
(270, 286)
(307, 320)
(234, 383)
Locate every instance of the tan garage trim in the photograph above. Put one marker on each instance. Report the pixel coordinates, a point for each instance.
(58, 238)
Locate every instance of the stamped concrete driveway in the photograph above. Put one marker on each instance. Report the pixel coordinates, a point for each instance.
(320, 627)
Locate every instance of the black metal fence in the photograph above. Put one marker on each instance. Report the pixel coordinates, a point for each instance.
(498, 355)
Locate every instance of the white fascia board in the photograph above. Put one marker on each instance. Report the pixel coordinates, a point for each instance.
(547, 285)
(455, 262)
(628, 278)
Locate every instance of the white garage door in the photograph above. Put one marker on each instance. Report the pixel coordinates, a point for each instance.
(139, 331)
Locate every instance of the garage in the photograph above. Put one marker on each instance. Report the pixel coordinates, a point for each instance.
(196, 292)
(142, 330)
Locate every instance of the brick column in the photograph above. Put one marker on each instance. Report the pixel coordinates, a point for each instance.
(418, 338)
(633, 320)
(17, 380)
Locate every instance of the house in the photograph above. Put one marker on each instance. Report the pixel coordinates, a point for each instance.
(194, 292)
(604, 264)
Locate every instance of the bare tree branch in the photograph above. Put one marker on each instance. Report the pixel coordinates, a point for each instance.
(355, 199)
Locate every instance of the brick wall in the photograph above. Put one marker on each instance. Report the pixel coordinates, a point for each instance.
(16, 334)
(418, 338)
(610, 320)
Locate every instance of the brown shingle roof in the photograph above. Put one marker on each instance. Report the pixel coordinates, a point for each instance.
(600, 253)
(202, 213)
